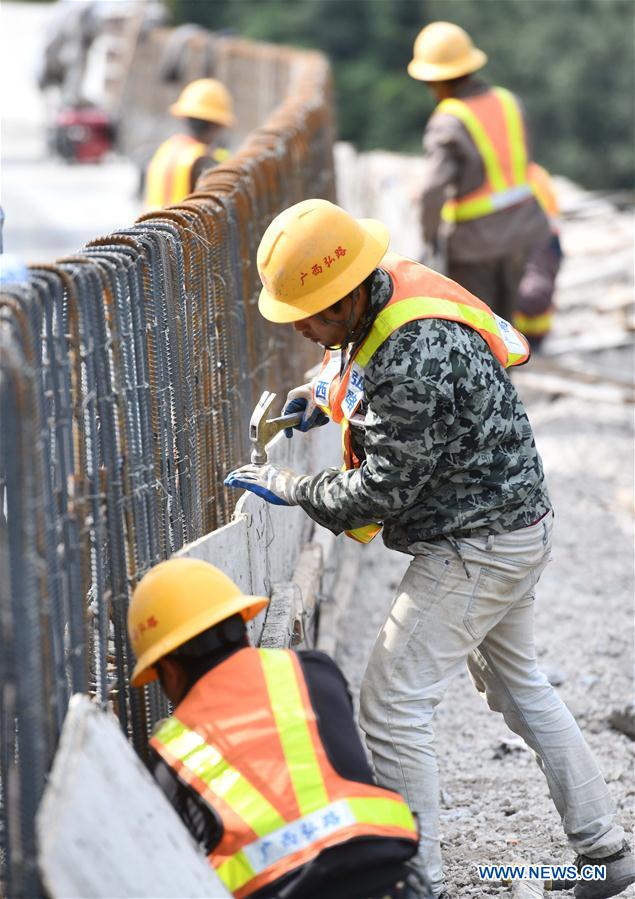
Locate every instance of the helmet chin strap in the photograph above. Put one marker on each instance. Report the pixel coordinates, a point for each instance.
(346, 323)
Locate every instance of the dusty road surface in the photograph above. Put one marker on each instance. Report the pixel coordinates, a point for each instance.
(495, 804)
(51, 207)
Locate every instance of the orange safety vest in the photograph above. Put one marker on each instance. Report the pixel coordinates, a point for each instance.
(168, 178)
(541, 184)
(418, 292)
(495, 123)
(543, 189)
(245, 738)
(534, 325)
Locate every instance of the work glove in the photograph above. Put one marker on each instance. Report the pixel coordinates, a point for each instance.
(300, 399)
(274, 484)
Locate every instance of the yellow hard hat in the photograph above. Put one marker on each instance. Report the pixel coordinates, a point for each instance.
(205, 99)
(175, 601)
(312, 255)
(443, 51)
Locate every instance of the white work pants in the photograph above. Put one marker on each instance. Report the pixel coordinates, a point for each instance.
(441, 618)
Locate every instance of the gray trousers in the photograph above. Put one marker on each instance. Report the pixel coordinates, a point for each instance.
(440, 620)
(495, 281)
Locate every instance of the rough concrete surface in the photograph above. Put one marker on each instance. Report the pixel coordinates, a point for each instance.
(495, 804)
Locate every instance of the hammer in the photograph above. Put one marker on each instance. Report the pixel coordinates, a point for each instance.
(262, 430)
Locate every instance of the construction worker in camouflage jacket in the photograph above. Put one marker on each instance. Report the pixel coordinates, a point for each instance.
(439, 452)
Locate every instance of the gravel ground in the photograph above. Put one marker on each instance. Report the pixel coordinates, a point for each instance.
(497, 809)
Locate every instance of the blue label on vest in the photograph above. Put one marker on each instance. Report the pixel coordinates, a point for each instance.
(323, 379)
(509, 335)
(355, 391)
(299, 834)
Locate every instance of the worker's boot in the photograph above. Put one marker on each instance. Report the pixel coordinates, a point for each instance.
(415, 886)
(620, 872)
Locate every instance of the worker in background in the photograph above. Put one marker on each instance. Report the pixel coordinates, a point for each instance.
(261, 758)
(439, 451)
(478, 210)
(206, 108)
(534, 315)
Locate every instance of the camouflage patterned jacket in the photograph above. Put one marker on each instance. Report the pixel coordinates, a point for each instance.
(447, 445)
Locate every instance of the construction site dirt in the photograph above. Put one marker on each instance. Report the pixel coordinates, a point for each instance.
(495, 807)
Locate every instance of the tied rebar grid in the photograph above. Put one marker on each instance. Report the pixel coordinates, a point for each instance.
(128, 374)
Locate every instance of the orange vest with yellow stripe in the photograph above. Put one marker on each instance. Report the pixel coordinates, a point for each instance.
(245, 738)
(531, 324)
(168, 179)
(543, 189)
(495, 123)
(418, 292)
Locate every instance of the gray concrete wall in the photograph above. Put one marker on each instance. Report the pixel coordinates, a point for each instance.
(278, 551)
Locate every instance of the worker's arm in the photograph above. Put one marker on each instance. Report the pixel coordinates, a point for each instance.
(201, 819)
(408, 385)
(440, 172)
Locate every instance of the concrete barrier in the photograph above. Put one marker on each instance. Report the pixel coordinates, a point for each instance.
(104, 827)
(278, 551)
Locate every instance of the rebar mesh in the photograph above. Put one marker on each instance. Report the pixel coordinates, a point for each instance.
(127, 376)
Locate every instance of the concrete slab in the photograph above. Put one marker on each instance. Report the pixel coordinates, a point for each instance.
(140, 848)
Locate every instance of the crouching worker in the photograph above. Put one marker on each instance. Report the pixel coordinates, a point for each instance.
(261, 758)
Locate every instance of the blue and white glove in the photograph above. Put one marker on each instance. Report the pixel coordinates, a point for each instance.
(300, 399)
(274, 484)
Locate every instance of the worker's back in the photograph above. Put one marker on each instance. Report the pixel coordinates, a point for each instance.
(273, 781)
(169, 175)
(206, 108)
(479, 216)
(489, 201)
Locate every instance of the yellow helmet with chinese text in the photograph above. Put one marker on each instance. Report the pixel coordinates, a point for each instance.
(312, 255)
(174, 602)
(205, 99)
(443, 51)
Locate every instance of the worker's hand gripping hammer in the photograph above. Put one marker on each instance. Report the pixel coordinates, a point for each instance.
(274, 484)
(262, 430)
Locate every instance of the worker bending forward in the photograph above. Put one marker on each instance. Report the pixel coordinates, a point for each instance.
(439, 450)
(205, 108)
(261, 758)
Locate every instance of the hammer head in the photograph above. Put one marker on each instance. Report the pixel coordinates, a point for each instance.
(262, 430)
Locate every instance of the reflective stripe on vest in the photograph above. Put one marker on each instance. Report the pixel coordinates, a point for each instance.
(534, 325)
(220, 155)
(297, 745)
(544, 192)
(168, 179)
(269, 845)
(340, 816)
(504, 160)
(506, 343)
